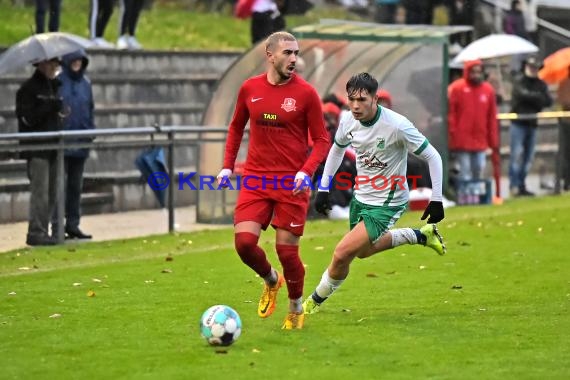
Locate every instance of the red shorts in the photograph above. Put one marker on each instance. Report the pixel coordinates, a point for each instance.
(276, 206)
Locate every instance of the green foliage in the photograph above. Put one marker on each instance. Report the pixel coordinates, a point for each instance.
(166, 26)
(496, 306)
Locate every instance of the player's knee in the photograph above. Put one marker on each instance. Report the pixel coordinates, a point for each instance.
(342, 257)
(245, 242)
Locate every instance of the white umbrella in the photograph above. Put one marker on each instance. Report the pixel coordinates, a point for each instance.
(40, 47)
(494, 46)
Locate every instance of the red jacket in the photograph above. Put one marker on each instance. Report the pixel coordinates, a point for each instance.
(472, 114)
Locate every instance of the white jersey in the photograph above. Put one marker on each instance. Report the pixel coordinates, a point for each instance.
(381, 147)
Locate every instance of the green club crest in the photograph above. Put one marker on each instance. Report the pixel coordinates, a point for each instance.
(381, 143)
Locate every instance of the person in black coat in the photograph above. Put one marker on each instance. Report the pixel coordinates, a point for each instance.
(529, 95)
(40, 109)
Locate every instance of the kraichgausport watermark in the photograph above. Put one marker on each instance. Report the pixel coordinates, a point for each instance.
(340, 181)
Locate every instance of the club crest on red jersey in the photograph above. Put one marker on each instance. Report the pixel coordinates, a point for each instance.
(289, 104)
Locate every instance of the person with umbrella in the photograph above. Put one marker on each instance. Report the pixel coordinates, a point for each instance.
(39, 109)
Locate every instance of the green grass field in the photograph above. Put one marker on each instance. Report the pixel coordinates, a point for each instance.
(166, 26)
(495, 307)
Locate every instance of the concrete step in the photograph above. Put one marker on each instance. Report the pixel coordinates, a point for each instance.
(139, 88)
(153, 62)
(129, 115)
(12, 168)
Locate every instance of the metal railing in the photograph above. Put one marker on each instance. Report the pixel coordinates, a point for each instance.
(163, 136)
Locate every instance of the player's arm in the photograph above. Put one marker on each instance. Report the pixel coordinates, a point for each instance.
(235, 135)
(420, 146)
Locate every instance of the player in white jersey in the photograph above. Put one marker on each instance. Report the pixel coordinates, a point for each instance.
(381, 139)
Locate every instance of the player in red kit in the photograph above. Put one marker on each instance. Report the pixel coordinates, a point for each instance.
(283, 110)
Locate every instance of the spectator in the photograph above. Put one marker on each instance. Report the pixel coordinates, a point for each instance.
(461, 12)
(513, 22)
(78, 99)
(266, 18)
(129, 17)
(529, 95)
(563, 96)
(99, 15)
(472, 121)
(54, 12)
(386, 11)
(341, 194)
(38, 109)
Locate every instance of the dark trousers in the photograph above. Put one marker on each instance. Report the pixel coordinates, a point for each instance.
(54, 11)
(263, 24)
(99, 14)
(129, 17)
(564, 148)
(42, 176)
(74, 167)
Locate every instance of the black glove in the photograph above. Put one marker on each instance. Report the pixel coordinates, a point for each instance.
(435, 211)
(322, 202)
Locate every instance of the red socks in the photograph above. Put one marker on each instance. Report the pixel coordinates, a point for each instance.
(293, 269)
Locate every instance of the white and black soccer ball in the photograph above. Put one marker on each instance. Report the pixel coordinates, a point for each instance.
(220, 325)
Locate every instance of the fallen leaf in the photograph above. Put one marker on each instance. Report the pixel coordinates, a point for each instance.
(169, 258)
(90, 293)
(247, 301)
(189, 242)
(319, 248)
(24, 268)
(539, 229)
(255, 351)
(97, 280)
(361, 319)
(422, 267)
(56, 315)
(149, 281)
(12, 293)
(205, 282)
(371, 275)
(482, 309)
(520, 223)
(346, 310)
(166, 270)
(77, 284)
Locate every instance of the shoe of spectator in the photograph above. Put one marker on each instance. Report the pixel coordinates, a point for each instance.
(134, 44)
(39, 240)
(123, 42)
(103, 43)
(76, 233)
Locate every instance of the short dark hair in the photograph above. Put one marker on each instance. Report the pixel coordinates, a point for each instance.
(362, 81)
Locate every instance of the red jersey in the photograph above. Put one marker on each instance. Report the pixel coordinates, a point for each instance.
(281, 118)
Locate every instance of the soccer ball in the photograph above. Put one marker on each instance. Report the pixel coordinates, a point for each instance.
(220, 325)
